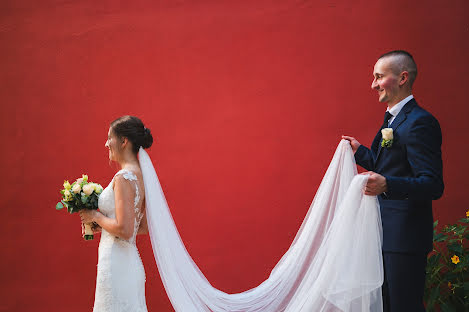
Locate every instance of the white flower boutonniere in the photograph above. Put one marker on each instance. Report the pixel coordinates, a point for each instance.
(387, 137)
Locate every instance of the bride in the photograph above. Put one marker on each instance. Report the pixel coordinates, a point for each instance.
(334, 263)
(120, 283)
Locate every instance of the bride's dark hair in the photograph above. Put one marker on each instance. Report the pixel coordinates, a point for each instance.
(132, 128)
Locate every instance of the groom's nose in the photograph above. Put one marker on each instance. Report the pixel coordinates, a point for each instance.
(374, 84)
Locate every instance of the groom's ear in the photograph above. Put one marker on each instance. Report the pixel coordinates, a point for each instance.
(403, 78)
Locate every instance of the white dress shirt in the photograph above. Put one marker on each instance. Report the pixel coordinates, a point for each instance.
(397, 108)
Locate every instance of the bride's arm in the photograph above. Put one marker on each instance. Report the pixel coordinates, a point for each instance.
(123, 225)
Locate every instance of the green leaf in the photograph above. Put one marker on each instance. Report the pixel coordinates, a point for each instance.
(446, 307)
(432, 296)
(440, 237)
(454, 242)
(455, 248)
(449, 228)
(59, 206)
(451, 276)
(93, 202)
(460, 230)
(466, 287)
(433, 260)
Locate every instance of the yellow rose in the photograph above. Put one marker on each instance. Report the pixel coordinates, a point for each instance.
(67, 195)
(467, 214)
(97, 188)
(387, 134)
(67, 185)
(88, 189)
(76, 188)
(85, 178)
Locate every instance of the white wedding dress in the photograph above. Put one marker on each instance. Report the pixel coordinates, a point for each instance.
(333, 265)
(120, 283)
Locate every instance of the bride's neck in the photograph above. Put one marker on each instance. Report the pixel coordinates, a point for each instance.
(128, 160)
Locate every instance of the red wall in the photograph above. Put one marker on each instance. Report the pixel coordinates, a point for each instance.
(246, 100)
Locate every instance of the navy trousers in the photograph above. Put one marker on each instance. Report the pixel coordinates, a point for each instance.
(404, 282)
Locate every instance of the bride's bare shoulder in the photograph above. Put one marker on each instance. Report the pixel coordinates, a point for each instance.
(133, 173)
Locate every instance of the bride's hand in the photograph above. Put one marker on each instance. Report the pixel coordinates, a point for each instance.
(87, 216)
(96, 228)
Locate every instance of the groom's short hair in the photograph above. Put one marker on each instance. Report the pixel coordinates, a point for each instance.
(403, 61)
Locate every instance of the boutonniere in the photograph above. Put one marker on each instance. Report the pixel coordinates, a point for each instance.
(387, 137)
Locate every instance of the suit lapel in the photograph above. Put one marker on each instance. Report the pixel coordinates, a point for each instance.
(400, 118)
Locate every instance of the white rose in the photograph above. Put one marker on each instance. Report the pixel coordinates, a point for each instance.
(79, 180)
(88, 189)
(76, 188)
(387, 134)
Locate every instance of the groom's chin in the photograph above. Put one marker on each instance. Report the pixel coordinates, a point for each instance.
(382, 99)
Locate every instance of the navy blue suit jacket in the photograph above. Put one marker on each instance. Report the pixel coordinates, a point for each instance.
(413, 170)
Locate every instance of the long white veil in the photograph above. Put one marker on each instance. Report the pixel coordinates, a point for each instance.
(333, 264)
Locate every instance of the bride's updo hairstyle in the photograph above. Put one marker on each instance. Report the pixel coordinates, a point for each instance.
(132, 128)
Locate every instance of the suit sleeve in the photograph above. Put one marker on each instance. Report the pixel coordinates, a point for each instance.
(424, 157)
(364, 157)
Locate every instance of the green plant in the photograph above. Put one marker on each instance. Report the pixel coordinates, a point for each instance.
(447, 283)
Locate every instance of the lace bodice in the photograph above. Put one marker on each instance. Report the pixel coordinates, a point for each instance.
(107, 204)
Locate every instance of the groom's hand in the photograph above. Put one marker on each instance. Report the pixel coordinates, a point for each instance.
(376, 184)
(353, 142)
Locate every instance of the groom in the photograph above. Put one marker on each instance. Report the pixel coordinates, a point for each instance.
(405, 171)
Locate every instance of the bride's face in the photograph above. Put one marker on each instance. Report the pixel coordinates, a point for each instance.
(112, 144)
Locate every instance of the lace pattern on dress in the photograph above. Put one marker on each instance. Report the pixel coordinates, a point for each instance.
(130, 176)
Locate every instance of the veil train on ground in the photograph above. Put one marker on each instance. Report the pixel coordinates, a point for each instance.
(333, 264)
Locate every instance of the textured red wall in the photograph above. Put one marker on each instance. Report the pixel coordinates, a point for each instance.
(246, 100)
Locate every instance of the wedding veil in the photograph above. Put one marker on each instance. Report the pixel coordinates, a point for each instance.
(333, 264)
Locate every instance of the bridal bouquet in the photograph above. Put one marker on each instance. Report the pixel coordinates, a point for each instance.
(81, 194)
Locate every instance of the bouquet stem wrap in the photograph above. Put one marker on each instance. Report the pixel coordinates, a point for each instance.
(88, 232)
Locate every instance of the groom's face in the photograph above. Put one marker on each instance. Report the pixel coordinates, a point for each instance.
(385, 81)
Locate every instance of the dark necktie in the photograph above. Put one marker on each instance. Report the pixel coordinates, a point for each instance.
(387, 116)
